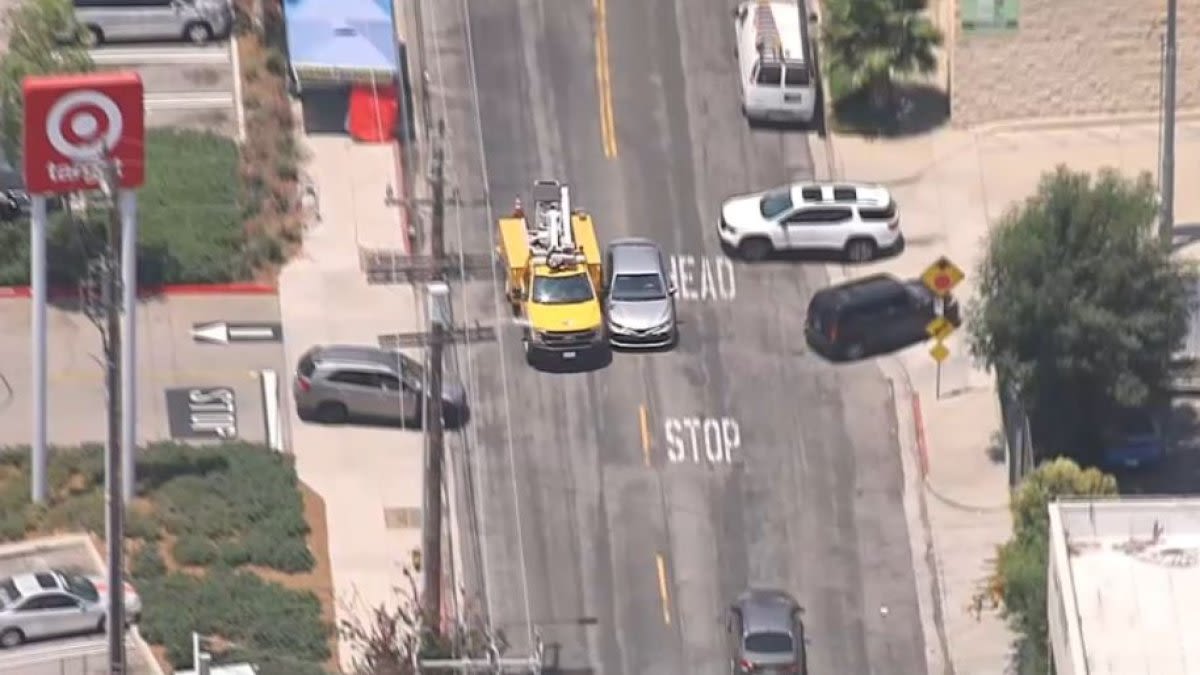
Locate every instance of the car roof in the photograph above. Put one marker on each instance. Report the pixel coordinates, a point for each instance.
(767, 610)
(635, 255)
(874, 286)
(35, 583)
(861, 194)
(362, 355)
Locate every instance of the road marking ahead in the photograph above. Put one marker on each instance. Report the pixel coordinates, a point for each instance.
(663, 596)
(700, 439)
(703, 278)
(134, 56)
(608, 132)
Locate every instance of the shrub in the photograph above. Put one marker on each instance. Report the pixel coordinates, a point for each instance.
(148, 564)
(235, 553)
(259, 616)
(13, 525)
(193, 549)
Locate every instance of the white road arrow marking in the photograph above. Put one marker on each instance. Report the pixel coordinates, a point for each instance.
(251, 333)
(212, 332)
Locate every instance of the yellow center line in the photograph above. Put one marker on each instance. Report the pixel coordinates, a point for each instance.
(644, 423)
(608, 134)
(662, 588)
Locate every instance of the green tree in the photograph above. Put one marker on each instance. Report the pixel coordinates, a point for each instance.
(867, 43)
(40, 42)
(1019, 578)
(1079, 306)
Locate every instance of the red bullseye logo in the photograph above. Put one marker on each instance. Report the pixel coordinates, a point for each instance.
(84, 125)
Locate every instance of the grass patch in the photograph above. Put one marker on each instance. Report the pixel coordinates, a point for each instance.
(205, 522)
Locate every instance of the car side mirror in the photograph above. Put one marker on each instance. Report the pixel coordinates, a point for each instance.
(672, 290)
(813, 17)
(739, 13)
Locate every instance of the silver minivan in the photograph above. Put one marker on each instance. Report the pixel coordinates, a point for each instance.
(197, 21)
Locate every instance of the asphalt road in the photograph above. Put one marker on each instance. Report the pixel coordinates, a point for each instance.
(639, 498)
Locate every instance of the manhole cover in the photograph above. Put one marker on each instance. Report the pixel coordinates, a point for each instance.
(402, 518)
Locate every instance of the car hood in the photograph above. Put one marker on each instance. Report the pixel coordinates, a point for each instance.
(564, 318)
(639, 315)
(743, 211)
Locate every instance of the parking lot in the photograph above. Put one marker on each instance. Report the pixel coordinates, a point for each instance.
(188, 389)
(186, 86)
(82, 655)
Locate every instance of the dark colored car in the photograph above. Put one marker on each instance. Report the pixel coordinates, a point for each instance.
(872, 315)
(14, 201)
(766, 634)
(1137, 439)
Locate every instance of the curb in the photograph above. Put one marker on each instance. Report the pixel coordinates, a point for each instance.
(919, 426)
(60, 292)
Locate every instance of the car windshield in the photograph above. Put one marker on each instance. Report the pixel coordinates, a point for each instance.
(82, 587)
(9, 594)
(635, 287)
(769, 643)
(566, 290)
(775, 202)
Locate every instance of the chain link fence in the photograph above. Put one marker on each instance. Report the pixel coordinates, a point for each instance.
(1018, 440)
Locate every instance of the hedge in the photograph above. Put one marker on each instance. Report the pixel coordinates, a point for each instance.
(236, 502)
(265, 621)
(189, 217)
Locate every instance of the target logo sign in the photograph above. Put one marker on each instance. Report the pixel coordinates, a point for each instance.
(73, 123)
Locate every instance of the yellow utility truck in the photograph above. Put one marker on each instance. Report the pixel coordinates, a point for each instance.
(553, 286)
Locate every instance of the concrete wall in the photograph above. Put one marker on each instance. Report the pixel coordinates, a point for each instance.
(1071, 57)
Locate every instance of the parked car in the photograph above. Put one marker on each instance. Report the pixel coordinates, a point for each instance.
(56, 603)
(857, 220)
(14, 201)
(339, 383)
(766, 634)
(638, 295)
(1137, 438)
(872, 315)
(196, 21)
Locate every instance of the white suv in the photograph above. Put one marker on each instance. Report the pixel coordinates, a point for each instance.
(857, 219)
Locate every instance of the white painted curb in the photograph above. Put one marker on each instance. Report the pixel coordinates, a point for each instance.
(269, 380)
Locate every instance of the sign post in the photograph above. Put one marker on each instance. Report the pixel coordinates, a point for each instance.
(86, 133)
(940, 278)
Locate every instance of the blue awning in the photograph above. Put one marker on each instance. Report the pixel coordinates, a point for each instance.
(341, 39)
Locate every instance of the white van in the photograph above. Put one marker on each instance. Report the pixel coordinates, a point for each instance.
(774, 68)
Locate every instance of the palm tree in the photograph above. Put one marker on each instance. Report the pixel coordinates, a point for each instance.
(869, 42)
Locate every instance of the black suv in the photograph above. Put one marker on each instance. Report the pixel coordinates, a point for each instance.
(872, 315)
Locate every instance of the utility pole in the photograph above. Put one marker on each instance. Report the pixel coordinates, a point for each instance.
(431, 556)
(115, 530)
(1166, 218)
(103, 297)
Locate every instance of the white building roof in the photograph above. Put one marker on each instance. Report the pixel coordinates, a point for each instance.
(1130, 585)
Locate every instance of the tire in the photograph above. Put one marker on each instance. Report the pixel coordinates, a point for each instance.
(860, 250)
(331, 412)
(755, 249)
(197, 33)
(102, 624)
(10, 638)
(92, 36)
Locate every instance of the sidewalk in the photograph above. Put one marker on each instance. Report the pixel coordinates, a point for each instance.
(369, 478)
(951, 185)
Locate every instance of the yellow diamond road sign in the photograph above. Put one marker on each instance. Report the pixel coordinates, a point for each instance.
(939, 352)
(942, 276)
(940, 328)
